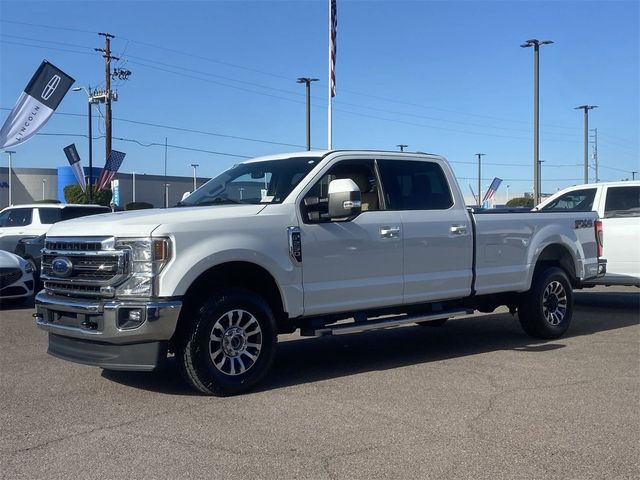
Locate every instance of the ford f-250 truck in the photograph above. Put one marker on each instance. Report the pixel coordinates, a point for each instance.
(326, 242)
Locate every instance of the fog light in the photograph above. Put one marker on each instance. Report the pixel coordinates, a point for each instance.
(129, 318)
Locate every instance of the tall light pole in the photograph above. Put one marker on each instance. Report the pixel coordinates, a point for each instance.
(540, 178)
(134, 186)
(44, 181)
(402, 146)
(307, 81)
(195, 166)
(507, 193)
(90, 100)
(586, 109)
(480, 155)
(633, 175)
(10, 153)
(536, 117)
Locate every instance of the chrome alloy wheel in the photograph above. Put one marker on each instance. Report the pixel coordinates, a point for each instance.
(235, 342)
(554, 303)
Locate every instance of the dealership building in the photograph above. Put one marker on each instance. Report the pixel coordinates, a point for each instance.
(35, 184)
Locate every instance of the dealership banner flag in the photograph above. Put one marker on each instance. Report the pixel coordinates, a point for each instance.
(76, 165)
(35, 105)
(110, 169)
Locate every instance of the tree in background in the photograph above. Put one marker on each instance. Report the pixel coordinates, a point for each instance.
(521, 202)
(74, 194)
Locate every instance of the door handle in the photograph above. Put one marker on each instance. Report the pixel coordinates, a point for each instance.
(458, 229)
(390, 232)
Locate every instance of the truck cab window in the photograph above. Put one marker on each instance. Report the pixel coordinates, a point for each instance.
(622, 202)
(413, 185)
(315, 203)
(574, 200)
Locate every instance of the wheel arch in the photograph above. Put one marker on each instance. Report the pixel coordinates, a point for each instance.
(557, 255)
(238, 274)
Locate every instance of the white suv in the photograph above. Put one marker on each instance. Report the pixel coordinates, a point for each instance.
(33, 220)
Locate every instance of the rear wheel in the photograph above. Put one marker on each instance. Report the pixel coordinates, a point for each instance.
(547, 309)
(230, 345)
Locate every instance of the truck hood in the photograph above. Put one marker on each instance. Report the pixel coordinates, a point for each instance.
(141, 223)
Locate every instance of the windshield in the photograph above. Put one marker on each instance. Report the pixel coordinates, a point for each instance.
(252, 183)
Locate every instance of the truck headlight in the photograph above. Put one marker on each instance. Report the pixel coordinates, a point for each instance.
(147, 256)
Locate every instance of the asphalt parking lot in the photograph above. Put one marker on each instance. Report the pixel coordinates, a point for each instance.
(476, 399)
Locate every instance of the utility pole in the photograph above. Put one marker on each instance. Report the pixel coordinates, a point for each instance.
(106, 51)
(633, 175)
(402, 146)
(134, 186)
(536, 117)
(586, 109)
(480, 155)
(307, 81)
(595, 153)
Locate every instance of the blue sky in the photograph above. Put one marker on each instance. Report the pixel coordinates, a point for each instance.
(442, 77)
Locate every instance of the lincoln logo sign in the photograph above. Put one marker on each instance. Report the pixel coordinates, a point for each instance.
(50, 87)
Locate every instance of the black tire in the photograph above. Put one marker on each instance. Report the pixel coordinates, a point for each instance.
(433, 323)
(546, 310)
(230, 345)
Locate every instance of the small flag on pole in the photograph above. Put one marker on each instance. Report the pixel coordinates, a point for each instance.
(493, 188)
(35, 105)
(110, 169)
(332, 46)
(76, 165)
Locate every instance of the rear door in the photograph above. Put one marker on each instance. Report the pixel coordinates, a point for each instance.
(436, 232)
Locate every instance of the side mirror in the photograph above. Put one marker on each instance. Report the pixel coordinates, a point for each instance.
(344, 199)
(185, 195)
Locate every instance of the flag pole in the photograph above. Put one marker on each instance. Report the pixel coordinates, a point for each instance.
(329, 83)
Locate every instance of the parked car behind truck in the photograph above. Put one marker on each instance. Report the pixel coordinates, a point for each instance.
(618, 206)
(300, 241)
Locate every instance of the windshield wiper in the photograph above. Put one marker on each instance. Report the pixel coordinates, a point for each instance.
(216, 201)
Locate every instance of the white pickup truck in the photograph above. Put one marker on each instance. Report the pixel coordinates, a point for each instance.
(618, 206)
(326, 242)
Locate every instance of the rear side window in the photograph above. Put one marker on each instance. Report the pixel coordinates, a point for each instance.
(574, 200)
(75, 212)
(622, 202)
(412, 185)
(17, 217)
(49, 215)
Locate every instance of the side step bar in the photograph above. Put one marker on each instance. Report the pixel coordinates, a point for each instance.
(354, 327)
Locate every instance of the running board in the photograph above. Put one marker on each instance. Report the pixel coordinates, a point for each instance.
(354, 327)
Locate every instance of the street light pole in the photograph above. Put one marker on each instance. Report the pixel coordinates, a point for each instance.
(90, 101)
(134, 186)
(307, 81)
(586, 109)
(195, 166)
(44, 180)
(480, 155)
(536, 117)
(10, 153)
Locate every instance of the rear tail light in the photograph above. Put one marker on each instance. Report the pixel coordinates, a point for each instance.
(599, 236)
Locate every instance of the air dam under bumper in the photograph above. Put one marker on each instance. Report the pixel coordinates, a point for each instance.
(100, 333)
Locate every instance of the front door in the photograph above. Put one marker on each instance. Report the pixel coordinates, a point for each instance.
(356, 264)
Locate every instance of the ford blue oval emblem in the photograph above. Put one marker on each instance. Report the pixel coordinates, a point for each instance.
(61, 267)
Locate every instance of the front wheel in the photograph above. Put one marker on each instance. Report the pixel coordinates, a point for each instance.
(230, 345)
(546, 310)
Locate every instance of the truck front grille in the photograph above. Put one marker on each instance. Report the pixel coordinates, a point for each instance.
(84, 268)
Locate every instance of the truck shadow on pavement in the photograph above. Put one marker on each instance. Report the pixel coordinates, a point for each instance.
(307, 360)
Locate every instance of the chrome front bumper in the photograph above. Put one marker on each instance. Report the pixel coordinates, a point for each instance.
(93, 332)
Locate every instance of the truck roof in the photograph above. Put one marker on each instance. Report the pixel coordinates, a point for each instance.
(323, 153)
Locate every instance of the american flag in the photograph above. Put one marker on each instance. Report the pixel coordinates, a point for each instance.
(332, 46)
(493, 188)
(110, 169)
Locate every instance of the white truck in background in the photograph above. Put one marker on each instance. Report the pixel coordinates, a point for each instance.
(328, 243)
(618, 207)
